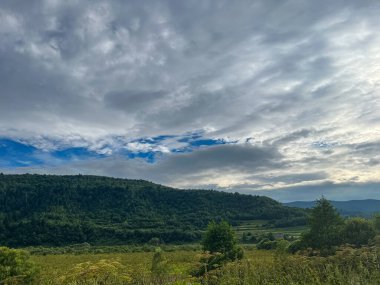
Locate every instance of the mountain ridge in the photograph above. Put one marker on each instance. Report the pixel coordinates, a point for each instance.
(364, 207)
(59, 210)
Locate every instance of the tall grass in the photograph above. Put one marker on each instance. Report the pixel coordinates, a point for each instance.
(348, 266)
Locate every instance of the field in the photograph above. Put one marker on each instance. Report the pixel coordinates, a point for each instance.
(258, 267)
(85, 264)
(138, 263)
(259, 227)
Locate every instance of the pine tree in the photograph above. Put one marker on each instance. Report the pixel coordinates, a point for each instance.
(325, 226)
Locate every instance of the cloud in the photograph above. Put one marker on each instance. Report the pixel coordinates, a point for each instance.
(132, 100)
(228, 158)
(292, 87)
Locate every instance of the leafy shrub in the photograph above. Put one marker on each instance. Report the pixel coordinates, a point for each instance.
(101, 272)
(282, 246)
(219, 246)
(159, 264)
(15, 267)
(219, 237)
(266, 244)
(295, 246)
(358, 231)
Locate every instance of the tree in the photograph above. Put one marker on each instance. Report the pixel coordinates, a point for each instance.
(220, 246)
(219, 237)
(376, 221)
(15, 267)
(325, 226)
(358, 231)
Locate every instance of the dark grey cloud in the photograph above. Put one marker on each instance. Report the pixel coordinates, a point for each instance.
(233, 157)
(133, 100)
(296, 178)
(228, 159)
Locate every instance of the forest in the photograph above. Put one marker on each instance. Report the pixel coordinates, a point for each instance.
(62, 210)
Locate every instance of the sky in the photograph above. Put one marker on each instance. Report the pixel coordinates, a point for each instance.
(276, 98)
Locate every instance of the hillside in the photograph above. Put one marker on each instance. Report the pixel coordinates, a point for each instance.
(58, 210)
(347, 208)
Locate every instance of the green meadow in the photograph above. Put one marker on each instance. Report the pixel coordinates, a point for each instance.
(348, 266)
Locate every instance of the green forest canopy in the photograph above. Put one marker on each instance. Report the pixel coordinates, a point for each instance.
(61, 210)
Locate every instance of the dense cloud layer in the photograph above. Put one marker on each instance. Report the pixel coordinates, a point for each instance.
(291, 88)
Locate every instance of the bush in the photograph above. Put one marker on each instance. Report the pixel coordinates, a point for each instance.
(159, 264)
(219, 246)
(101, 272)
(358, 231)
(266, 244)
(282, 246)
(219, 237)
(15, 267)
(295, 246)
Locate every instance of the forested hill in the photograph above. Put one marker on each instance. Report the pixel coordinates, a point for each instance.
(58, 210)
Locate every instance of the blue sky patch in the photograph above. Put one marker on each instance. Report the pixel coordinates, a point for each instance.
(16, 154)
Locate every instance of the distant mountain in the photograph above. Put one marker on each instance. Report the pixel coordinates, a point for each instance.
(59, 210)
(347, 208)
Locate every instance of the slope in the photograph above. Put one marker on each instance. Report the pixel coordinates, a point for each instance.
(59, 210)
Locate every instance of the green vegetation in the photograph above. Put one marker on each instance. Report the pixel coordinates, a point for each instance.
(358, 231)
(15, 267)
(219, 237)
(348, 266)
(39, 209)
(376, 222)
(62, 210)
(325, 227)
(100, 272)
(252, 232)
(86, 248)
(217, 263)
(219, 247)
(328, 230)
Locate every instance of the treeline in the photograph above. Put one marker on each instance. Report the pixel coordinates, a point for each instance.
(60, 210)
(328, 231)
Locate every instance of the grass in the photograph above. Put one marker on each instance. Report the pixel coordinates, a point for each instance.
(349, 266)
(52, 267)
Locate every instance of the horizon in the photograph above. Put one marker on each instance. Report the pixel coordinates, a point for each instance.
(256, 97)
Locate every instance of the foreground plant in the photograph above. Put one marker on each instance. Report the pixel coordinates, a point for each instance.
(102, 272)
(219, 246)
(15, 267)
